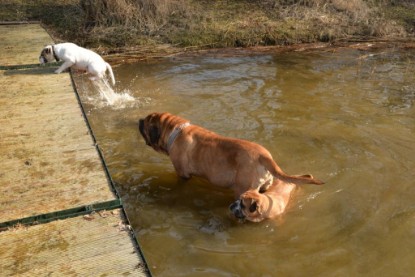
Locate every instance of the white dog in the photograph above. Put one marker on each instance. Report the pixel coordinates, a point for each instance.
(77, 57)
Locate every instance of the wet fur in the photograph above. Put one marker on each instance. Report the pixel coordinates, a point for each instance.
(256, 206)
(227, 162)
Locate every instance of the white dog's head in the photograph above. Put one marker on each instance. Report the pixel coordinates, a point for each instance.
(47, 55)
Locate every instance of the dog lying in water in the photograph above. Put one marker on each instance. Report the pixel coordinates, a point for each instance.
(227, 162)
(255, 206)
(77, 57)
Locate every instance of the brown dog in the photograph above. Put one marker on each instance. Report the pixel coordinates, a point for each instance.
(232, 163)
(255, 206)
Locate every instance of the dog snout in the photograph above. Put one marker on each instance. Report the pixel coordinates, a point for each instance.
(141, 129)
(141, 126)
(236, 209)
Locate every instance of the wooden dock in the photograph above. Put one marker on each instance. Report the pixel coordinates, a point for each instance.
(52, 173)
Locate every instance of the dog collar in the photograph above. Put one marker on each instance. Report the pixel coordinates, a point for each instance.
(54, 53)
(176, 132)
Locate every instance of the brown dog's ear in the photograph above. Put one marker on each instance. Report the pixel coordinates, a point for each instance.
(154, 134)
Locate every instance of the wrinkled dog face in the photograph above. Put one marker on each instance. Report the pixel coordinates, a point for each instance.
(248, 207)
(46, 55)
(150, 130)
(157, 127)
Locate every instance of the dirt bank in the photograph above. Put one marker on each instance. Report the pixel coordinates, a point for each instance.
(152, 28)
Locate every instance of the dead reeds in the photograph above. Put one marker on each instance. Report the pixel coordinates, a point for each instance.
(189, 23)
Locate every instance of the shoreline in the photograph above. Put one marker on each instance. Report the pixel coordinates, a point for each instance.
(137, 54)
(127, 30)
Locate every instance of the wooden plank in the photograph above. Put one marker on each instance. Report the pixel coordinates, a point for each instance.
(95, 245)
(22, 44)
(19, 140)
(49, 160)
(48, 131)
(37, 171)
(50, 166)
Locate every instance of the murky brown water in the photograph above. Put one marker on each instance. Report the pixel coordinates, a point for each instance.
(347, 117)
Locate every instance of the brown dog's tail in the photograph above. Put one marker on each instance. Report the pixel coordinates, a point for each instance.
(275, 170)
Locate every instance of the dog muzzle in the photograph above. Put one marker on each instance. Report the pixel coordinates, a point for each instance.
(42, 60)
(236, 209)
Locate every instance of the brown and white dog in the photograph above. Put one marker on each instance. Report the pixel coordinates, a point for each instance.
(227, 162)
(255, 206)
(77, 57)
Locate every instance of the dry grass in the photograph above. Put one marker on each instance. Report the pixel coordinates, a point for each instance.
(124, 22)
(147, 15)
(203, 23)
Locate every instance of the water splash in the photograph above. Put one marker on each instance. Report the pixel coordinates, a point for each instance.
(100, 94)
(117, 100)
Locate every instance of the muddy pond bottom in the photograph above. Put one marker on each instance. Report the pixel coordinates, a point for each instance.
(347, 117)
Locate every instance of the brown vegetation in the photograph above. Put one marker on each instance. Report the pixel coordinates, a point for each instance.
(208, 24)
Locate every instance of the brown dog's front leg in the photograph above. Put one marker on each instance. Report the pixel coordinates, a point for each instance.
(185, 177)
(181, 173)
(181, 180)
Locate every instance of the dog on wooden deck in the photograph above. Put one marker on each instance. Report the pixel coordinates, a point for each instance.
(77, 57)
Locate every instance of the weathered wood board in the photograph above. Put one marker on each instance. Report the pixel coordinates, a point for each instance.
(50, 166)
(47, 156)
(93, 245)
(22, 44)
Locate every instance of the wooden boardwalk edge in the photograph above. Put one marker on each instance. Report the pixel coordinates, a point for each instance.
(60, 215)
(111, 182)
(24, 163)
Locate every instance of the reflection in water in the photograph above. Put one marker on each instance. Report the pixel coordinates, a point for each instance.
(346, 117)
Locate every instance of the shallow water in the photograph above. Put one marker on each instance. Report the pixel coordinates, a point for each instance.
(347, 117)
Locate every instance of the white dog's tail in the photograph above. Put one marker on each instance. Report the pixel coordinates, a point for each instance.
(111, 74)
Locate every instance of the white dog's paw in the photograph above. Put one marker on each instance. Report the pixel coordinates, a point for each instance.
(57, 71)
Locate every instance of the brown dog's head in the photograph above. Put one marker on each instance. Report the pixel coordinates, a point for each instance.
(251, 205)
(156, 129)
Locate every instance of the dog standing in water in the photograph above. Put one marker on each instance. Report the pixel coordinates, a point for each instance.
(232, 163)
(77, 57)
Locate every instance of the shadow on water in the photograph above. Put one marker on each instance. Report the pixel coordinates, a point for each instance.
(346, 117)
